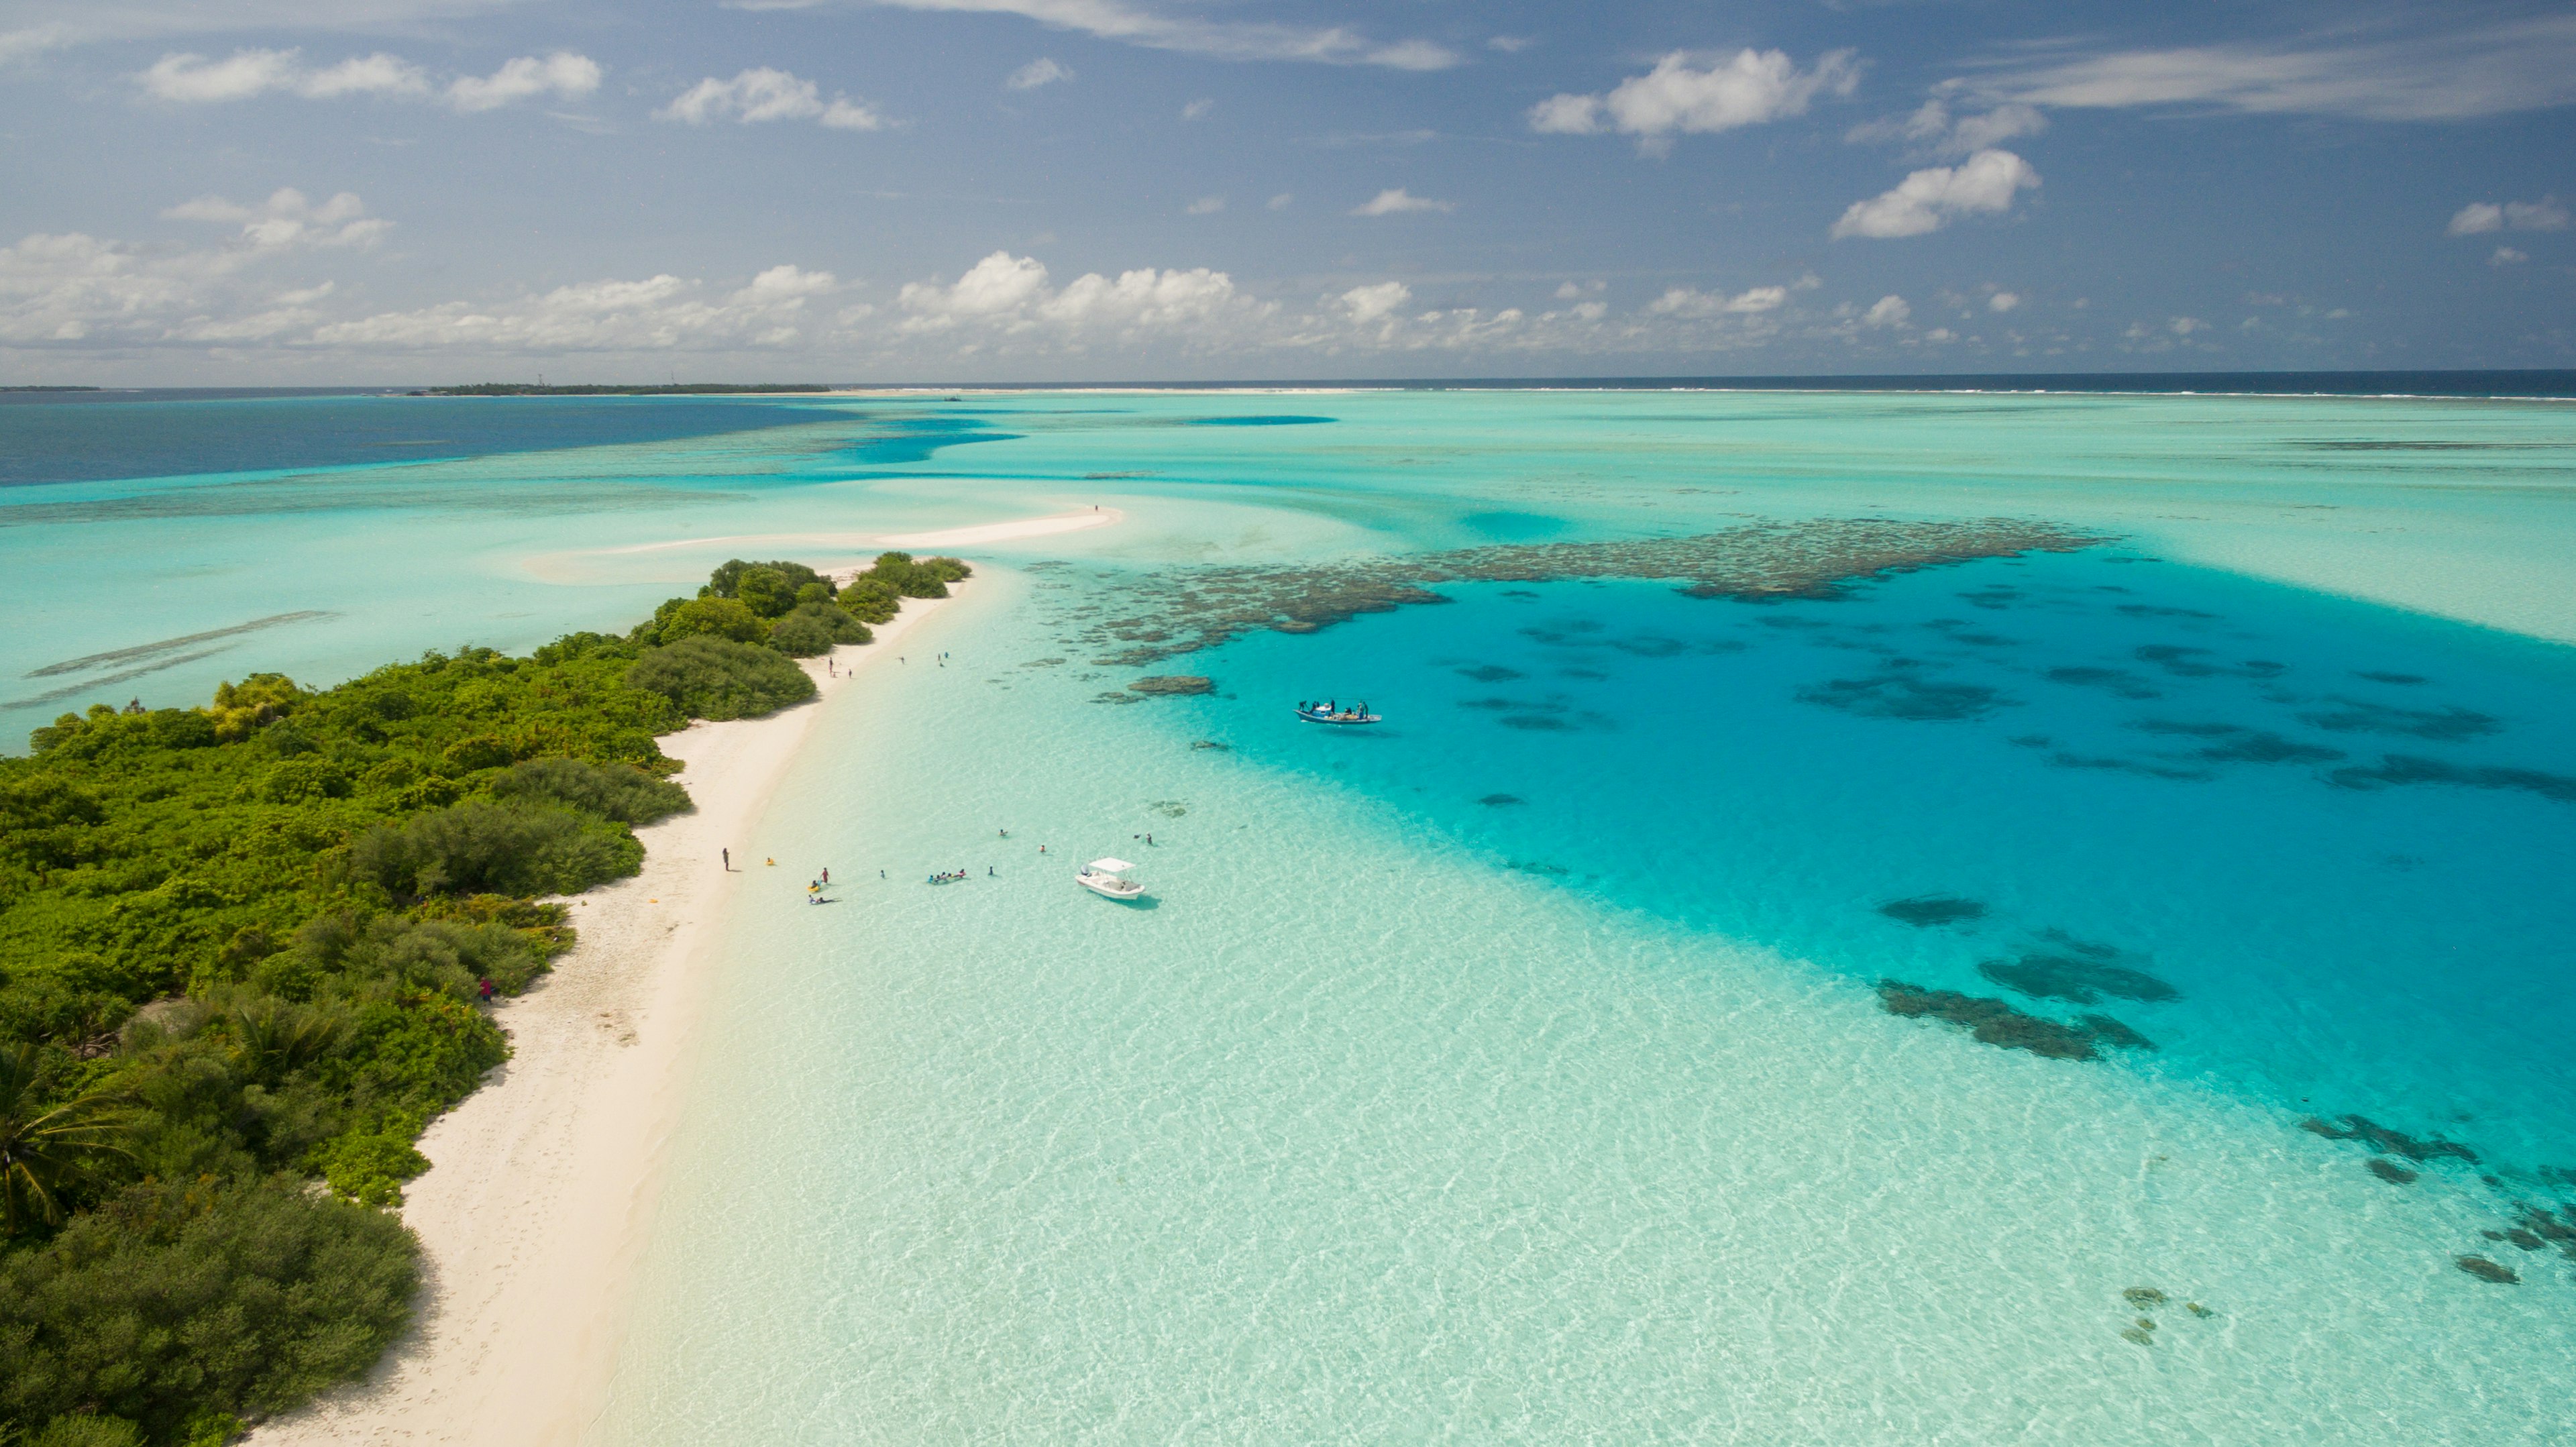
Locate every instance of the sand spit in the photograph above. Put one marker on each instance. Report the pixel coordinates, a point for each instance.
(542, 1183)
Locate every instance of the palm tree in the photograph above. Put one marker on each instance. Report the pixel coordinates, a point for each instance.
(40, 1148)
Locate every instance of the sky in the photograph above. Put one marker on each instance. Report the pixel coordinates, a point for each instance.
(333, 192)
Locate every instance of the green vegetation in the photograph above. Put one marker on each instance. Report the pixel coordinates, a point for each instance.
(242, 950)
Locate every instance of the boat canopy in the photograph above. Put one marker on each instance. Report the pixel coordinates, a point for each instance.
(1110, 866)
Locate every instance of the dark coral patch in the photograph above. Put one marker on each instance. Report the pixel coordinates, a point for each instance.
(2391, 1172)
(2407, 769)
(1994, 1022)
(2485, 1270)
(2119, 681)
(2177, 660)
(2400, 679)
(2076, 981)
(1904, 696)
(1491, 673)
(2236, 744)
(2393, 1142)
(1499, 801)
(2107, 1031)
(2450, 724)
(1932, 910)
(1544, 723)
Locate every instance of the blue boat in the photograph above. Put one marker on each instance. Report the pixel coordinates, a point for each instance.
(1328, 713)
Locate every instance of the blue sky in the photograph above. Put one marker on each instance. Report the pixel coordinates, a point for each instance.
(290, 192)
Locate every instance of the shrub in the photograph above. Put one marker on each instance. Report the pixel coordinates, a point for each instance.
(813, 628)
(174, 1302)
(369, 1167)
(482, 846)
(621, 792)
(718, 679)
(870, 599)
(715, 617)
(787, 580)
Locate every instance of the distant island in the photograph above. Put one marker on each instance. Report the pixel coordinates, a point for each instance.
(674, 389)
(45, 387)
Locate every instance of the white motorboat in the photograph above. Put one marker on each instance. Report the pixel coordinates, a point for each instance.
(1108, 879)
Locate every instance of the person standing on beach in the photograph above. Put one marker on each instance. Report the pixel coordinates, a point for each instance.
(728, 859)
(827, 876)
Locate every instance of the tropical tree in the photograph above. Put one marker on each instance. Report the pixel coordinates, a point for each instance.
(40, 1149)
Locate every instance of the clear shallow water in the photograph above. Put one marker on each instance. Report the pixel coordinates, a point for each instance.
(578, 513)
(1364, 1133)
(1411, 1115)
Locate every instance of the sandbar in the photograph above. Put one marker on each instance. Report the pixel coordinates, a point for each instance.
(542, 1183)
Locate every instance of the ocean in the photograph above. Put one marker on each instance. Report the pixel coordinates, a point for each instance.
(1552, 1061)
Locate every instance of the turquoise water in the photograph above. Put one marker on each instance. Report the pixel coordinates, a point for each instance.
(1514, 1071)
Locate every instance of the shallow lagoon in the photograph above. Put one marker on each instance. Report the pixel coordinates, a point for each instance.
(1516, 1070)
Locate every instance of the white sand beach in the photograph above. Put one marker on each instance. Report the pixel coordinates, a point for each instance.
(542, 1183)
(591, 565)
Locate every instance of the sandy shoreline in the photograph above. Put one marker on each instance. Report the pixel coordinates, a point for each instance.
(542, 1183)
(859, 549)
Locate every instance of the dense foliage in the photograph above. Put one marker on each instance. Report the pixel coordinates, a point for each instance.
(242, 950)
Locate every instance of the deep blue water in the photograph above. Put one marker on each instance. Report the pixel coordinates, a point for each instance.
(2313, 849)
(83, 437)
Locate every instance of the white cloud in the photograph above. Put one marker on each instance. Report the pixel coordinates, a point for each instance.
(1508, 44)
(2476, 217)
(563, 75)
(1206, 206)
(1396, 201)
(75, 288)
(845, 114)
(1044, 70)
(2479, 217)
(1366, 304)
(2508, 256)
(1228, 39)
(1888, 311)
(1928, 199)
(1685, 301)
(288, 219)
(1936, 129)
(660, 313)
(1577, 290)
(2488, 70)
(1197, 108)
(2003, 301)
(193, 79)
(1005, 299)
(1748, 88)
(767, 94)
(1281, 201)
(34, 39)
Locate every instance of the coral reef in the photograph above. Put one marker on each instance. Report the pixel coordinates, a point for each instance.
(2485, 1270)
(1997, 1023)
(1173, 685)
(2390, 1142)
(1932, 910)
(1160, 615)
(2080, 976)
